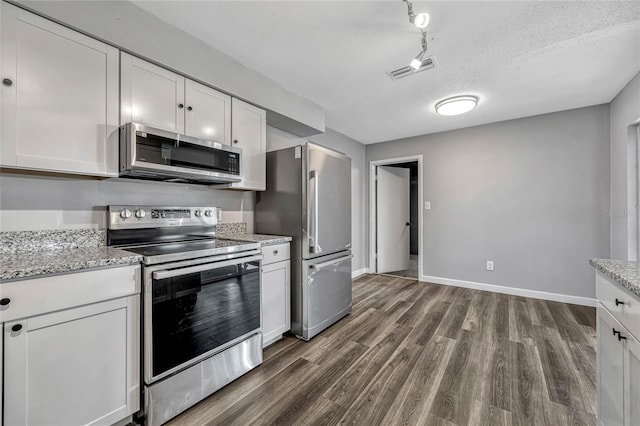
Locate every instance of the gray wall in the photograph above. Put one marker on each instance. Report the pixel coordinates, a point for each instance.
(625, 110)
(32, 201)
(530, 194)
(277, 139)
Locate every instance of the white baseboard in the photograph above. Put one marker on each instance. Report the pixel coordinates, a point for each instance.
(555, 297)
(359, 272)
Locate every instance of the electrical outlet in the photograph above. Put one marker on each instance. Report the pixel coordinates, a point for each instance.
(427, 205)
(219, 214)
(489, 265)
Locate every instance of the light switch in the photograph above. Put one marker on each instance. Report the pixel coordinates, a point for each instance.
(427, 205)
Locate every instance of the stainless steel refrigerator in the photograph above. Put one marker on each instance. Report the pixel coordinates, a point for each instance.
(308, 197)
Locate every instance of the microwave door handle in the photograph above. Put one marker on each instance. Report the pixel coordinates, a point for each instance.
(331, 262)
(160, 275)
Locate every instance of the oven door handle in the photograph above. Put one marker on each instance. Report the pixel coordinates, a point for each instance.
(160, 275)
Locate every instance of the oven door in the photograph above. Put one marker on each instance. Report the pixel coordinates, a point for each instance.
(192, 312)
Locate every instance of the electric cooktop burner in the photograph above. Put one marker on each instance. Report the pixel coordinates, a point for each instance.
(190, 249)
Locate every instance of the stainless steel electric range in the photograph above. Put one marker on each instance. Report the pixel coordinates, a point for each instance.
(200, 304)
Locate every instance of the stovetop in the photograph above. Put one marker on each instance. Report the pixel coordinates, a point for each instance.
(174, 251)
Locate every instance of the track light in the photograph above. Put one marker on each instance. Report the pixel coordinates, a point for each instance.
(416, 63)
(421, 20)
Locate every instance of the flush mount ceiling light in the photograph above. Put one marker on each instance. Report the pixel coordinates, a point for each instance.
(420, 21)
(456, 105)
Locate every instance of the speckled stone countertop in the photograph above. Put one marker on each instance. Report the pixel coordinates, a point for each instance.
(264, 240)
(31, 254)
(238, 231)
(625, 273)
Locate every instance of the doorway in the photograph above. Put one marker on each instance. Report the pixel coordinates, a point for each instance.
(395, 220)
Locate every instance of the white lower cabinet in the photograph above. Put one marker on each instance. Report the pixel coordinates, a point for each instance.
(610, 371)
(618, 357)
(275, 293)
(632, 384)
(75, 366)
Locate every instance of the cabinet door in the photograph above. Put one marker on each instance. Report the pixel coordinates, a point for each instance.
(632, 382)
(151, 95)
(59, 97)
(73, 367)
(208, 113)
(249, 132)
(610, 356)
(276, 301)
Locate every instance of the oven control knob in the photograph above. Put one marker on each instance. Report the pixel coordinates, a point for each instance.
(140, 213)
(125, 214)
(198, 213)
(207, 213)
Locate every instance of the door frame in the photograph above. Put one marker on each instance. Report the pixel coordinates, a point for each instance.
(373, 213)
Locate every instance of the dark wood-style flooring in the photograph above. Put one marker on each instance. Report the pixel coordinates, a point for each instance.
(413, 353)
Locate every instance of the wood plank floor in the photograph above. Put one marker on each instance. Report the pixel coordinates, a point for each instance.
(413, 353)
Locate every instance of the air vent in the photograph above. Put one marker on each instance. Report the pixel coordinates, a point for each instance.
(427, 63)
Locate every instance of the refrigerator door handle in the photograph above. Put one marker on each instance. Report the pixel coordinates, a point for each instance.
(331, 262)
(313, 244)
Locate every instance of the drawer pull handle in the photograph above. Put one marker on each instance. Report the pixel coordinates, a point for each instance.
(16, 328)
(275, 252)
(7, 82)
(619, 334)
(619, 302)
(5, 301)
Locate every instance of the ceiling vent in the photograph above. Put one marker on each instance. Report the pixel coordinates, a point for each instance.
(427, 63)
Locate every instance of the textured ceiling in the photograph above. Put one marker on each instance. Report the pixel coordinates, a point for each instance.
(520, 58)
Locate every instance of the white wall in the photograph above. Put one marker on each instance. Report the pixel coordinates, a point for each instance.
(530, 194)
(277, 139)
(625, 111)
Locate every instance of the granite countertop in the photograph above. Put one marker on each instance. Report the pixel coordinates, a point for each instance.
(624, 272)
(30, 254)
(264, 240)
(238, 231)
(33, 264)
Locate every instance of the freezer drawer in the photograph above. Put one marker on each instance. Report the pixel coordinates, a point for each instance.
(326, 292)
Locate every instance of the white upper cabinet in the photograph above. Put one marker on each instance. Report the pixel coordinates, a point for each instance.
(151, 95)
(208, 113)
(160, 98)
(59, 97)
(249, 132)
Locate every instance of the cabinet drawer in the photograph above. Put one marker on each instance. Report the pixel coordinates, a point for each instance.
(621, 303)
(41, 295)
(275, 253)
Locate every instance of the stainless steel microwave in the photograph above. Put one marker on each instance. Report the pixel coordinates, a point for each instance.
(150, 153)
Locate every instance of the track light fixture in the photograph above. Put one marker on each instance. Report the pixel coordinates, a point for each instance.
(420, 21)
(416, 63)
